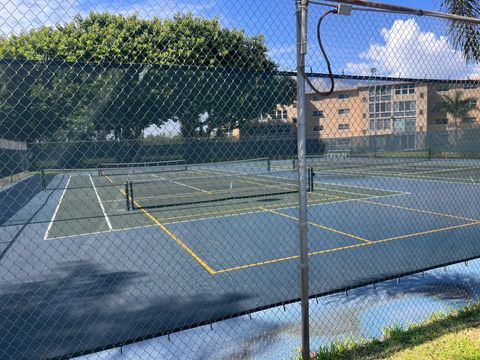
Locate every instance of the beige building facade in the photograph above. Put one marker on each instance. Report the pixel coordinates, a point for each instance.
(382, 109)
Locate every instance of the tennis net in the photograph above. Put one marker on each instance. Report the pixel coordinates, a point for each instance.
(167, 192)
(352, 160)
(114, 169)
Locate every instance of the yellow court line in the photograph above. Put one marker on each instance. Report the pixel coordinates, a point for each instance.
(321, 226)
(411, 209)
(266, 262)
(314, 253)
(169, 233)
(180, 242)
(241, 211)
(418, 210)
(428, 232)
(444, 170)
(320, 252)
(407, 176)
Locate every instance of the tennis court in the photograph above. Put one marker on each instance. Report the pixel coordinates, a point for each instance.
(206, 222)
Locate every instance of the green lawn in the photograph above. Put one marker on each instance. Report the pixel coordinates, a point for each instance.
(447, 336)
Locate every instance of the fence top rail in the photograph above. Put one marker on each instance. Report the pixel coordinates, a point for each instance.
(372, 5)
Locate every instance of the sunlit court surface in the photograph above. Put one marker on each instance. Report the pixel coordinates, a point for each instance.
(206, 223)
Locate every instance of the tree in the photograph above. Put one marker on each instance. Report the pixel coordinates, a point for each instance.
(464, 36)
(459, 108)
(125, 73)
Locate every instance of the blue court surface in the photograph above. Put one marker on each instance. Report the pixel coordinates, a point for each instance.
(92, 260)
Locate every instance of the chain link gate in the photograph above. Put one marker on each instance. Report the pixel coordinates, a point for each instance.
(158, 160)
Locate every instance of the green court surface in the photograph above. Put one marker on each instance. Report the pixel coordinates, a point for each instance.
(92, 203)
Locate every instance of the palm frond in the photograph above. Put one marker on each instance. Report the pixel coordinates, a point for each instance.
(464, 36)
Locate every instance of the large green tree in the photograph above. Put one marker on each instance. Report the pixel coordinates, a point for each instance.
(123, 73)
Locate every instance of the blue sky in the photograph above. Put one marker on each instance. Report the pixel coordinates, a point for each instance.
(394, 44)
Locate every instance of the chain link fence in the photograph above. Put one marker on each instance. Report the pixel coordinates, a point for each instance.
(163, 175)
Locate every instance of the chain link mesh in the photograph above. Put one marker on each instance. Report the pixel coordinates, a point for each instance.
(149, 178)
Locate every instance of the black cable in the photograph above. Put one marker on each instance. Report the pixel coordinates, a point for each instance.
(325, 56)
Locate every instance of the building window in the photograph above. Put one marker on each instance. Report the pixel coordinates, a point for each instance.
(420, 112)
(281, 114)
(382, 124)
(364, 115)
(469, 120)
(343, 96)
(422, 95)
(405, 89)
(441, 121)
(343, 126)
(380, 93)
(382, 109)
(364, 99)
(443, 87)
(405, 125)
(473, 103)
(317, 113)
(318, 128)
(470, 86)
(294, 120)
(404, 108)
(380, 98)
(343, 112)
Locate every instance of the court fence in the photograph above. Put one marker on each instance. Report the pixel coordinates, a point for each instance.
(14, 159)
(229, 180)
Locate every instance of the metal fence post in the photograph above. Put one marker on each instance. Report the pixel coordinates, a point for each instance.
(301, 30)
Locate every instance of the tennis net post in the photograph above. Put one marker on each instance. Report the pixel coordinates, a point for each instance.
(130, 193)
(42, 179)
(127, 197)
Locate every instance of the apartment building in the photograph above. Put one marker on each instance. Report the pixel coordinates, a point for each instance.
(382, 109)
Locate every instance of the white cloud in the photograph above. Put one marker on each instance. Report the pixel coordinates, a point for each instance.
(20, 15)
(407, 51)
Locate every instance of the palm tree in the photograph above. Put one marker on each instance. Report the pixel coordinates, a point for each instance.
(459, 108)
(464, 36)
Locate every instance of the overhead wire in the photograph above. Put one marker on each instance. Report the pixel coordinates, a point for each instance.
(325, 56)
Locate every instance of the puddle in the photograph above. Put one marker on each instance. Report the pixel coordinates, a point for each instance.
(275, 333)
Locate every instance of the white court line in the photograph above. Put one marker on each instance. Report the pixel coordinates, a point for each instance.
(101, 204)
(462, 181)
(189, 194)
(182, 184)
(206, 218)
(56, 209)
(267, 176)
(443, 170)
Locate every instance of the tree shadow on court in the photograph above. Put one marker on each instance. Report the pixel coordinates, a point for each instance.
(88, 308)
(13, 198)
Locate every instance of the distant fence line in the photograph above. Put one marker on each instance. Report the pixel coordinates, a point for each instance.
(92, 154)
(82, 155)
